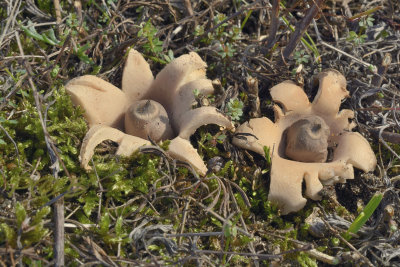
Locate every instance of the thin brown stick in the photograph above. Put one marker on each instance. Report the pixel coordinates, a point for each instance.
(31, 7)
(59, 205)
(219, 217)
(185, 212)
(251, 244)
(57, 9)
(10, 19)
(382, 69)
(188, 7)
(393, 138)
(273, 27)
(301, 28)
(372, 67)
(252, 86)
(59, 232)
(78, 10)
(347, 10)
(258, 255)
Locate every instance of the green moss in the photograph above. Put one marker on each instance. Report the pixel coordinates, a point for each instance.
(305, 261)
(241, 203)
(28, 171)
(45, 5)
(30, 231)
(7, 234)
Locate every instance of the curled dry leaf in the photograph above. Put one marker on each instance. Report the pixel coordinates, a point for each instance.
(299, 139)
(159, 108)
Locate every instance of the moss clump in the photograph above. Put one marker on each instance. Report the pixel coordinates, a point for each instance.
(26, 166)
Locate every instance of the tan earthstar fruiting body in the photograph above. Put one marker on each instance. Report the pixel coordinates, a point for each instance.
(159, 108)
(350, 149)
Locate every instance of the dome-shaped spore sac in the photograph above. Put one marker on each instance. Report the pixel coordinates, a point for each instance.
(148, 118)
(307, 140)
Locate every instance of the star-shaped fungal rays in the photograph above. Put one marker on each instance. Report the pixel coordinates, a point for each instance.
(159, 108)
(299, 139)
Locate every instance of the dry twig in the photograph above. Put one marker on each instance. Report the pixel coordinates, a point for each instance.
(301, 28)
(55, 158)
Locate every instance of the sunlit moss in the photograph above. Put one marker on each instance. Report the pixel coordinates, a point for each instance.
(305, 261)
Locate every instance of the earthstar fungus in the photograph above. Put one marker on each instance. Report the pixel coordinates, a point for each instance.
(159, 108)
(299, 139)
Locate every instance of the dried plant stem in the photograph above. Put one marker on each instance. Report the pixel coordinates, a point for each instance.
(57, 9)
(368, 65)
(186, 208)
(321, 256)
(373, 68)
(188, 7)
(382, 69)
(309, 44)
(9, 20)
(251, 245)
(347, 10)
(390, 137)
(100, 189)
(78, 10)
(252, 86)
(384, 143)
(365, 13)
(219, 217)
(301, 28)
(12, 141)
(59, 232)
(273, 27)
(258, 255)
(59, 205)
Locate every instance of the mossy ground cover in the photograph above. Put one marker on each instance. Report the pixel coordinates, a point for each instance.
(151, 210)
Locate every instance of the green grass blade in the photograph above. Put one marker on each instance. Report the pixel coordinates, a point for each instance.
(364, 215)
(245, 19)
